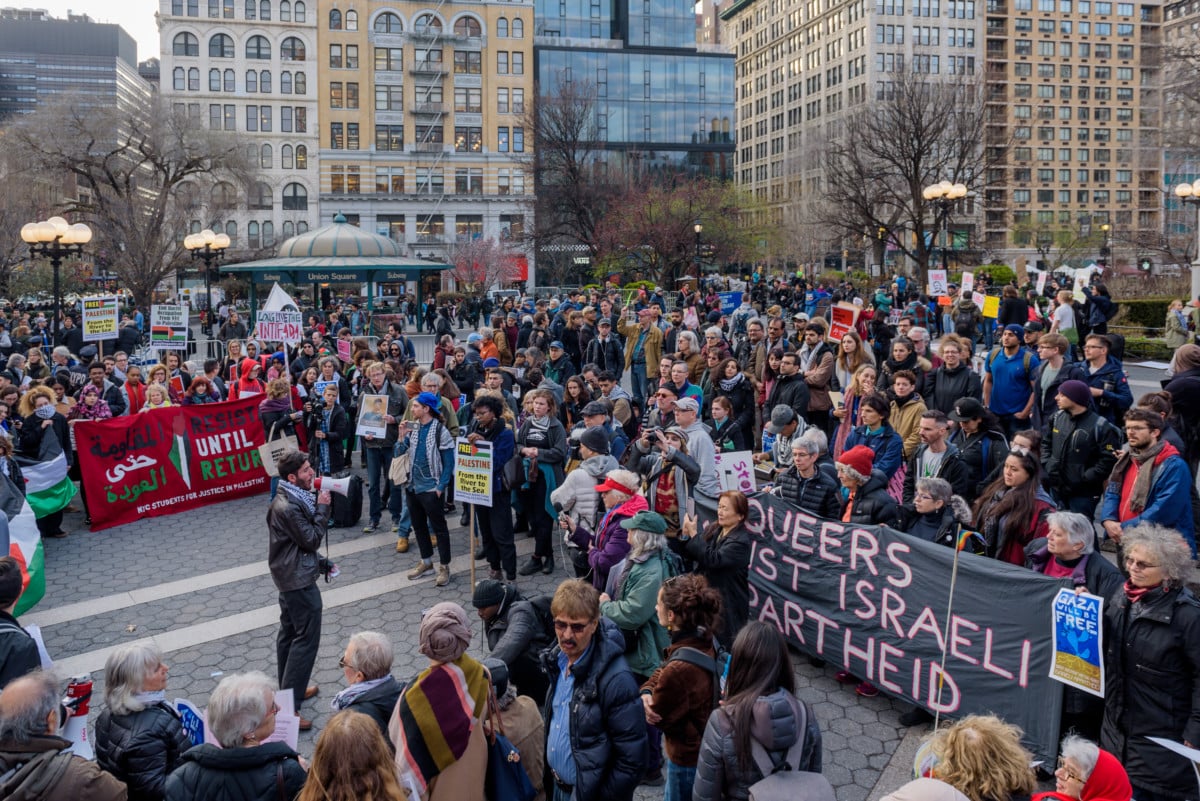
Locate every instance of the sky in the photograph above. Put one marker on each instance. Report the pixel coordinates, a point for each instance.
(135, 16)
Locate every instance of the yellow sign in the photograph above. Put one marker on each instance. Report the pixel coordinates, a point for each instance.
(473, 472)
(100, 318)
(991, 306)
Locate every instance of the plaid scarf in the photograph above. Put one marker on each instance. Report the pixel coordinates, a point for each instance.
(305, 497)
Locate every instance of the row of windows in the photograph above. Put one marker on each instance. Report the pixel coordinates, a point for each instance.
(1024, 47)
(1064, 196)
(1046, 174)
(345, 179)
(1066, 154)
(1098, 113)
(292, 119)
(1078, 7)
(1064, 70)
(256, 82)
(290, 158)
(221, 46)
(253, 9)
(224, 196)
(467, 138)
(466, 25)
(1047, 133)
(257, 234)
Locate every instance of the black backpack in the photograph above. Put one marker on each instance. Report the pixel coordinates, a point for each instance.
(718, 666)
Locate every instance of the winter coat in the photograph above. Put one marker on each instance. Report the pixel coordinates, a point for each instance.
(1111, 379)
(951, 468)
(634, 587)
(1044, 404)
(906, 420)
(775, 726)
(397, 405)
(606, 354)
(871, 504)
(1079, 453)
(727, 438)
(553, 451)
(1013, 311)
(1168, 503)
(944, 387)
(818, 378)
(378, 704)
(1152, 665)
(820, 495)
(610, 542)
(210, 773)
(789, 390)
(725, 562)
(245, 385)
(940, 526)
(682, 694)
(999, 544)
(295, 537)
(339, 429)
(886, 444)
(687, 471)
(31, 772)
(577, 494)
(18, 650)
(141, 749)
(608, 722)
(518, 633)
(1176, 333)
(741, 397)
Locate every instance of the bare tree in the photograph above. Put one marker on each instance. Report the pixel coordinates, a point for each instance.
(128, 163)
(480, 264)
(923, 132)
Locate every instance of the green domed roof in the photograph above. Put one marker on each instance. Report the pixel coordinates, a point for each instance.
(338, 239)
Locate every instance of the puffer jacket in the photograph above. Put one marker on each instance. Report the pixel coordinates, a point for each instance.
(378, 703)
(577, 494)
(682, 694)
(634, 587)
(1079, 453)
(1151, 689)
(944, 387)
(608, 722)
(819, 495)
(1111, 380)
(210, 773)
(610, 542)
(789, 390)
(775, 726)
(295, 536)
(141, 749)
(872, 505)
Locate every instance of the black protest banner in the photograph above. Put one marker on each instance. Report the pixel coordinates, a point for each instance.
(873, 600)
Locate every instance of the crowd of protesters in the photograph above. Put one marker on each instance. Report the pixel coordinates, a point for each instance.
(607, 411)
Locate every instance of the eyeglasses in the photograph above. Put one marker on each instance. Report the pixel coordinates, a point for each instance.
(576, 628)
(1138, 564)
(343, 664)
(1129, 429)
(922, 496)
(1067, 773)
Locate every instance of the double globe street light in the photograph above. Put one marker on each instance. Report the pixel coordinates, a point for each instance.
(208, 247)
(55, 239)
(1189, 194)
(945, 194)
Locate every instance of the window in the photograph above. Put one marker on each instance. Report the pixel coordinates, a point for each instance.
(502, 105)
(427, 23)
(286, 157)
(230, 115)
(301, 14)
(335, 20)
(518, 63)
(252, 118)
(389, 137)
(352, 20)
(268, 227)
(518, 29)
(467, 26)
(337, 136)
(252, 235)
(185, 44)
(264, 10)
(503, 183)
(430, 135)
(351, 57)
(468, 139)
(220, 46)
(501, 62)
(335, 95)
(223, 196)
(285, 11)
(389, 180)
(518, 140)
(467, 62)
(259, 196)
(292, 49)
(251, 9)
(389, 98)
(1020, 196)
(289, 229)
(468, 181)
(214, 117)
(178, 81)
(214, 80)
(502, 28)
(518, 101)
(229, 80)
(257, 47)
(335, 56)
(214, 8)
(251, 81)
(193, 79)
(266, 157)
(285, 83)
(468, 226)
(301, 157)
(389, 59)
(502, 139)
(387, 22)
(352, 139)
(295, 198)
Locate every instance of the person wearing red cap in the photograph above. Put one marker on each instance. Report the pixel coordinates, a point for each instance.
(610, 542)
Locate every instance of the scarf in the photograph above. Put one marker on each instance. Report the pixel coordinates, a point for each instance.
(45, 412)
(151, 698)
(351, 694)
(1141, 484)
(436, 715)
(910, 363)
(276, 405)
(730, 384)
(96, 411)
(136, 391)
(324, 448)
(1135, 594)
(305, 497)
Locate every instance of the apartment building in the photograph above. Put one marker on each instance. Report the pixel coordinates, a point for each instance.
(1074, 126)
(249, 66)
(422, 109)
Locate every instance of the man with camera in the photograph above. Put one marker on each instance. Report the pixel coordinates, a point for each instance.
(297, 522)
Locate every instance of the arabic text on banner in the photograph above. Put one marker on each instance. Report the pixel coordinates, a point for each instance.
(100, 318)
(1079, 641)
(873, 601)
(473, 472)
(170, 460)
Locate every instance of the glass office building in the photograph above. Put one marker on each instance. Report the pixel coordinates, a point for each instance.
(661, 99)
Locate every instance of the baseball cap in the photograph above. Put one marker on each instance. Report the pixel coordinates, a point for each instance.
(782, 415)
(966, 409)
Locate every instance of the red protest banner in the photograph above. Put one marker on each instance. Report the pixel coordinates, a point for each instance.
(842, 318)
(164, 461)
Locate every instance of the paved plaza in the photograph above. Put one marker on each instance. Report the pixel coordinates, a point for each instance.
(197, 584)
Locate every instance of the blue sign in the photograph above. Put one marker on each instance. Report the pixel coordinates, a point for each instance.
(191, 720)
(729, 301)
(1077, 641)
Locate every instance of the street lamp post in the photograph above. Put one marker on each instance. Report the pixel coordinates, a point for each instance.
(1190, 195)
(1106, 245)
(945, 194)
(55, 239)
(698, 227)
(208, 247)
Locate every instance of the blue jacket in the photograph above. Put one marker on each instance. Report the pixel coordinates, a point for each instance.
(886, 443)
(1169, 503)
(1118, 397)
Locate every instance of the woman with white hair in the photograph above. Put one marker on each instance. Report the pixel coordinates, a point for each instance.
(936, 513)
(241, 716)
(1086, 772)
(689, 352)
(139, 738)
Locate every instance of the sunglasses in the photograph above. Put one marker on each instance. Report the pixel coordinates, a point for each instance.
(576, 628)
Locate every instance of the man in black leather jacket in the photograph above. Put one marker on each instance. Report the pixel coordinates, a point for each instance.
(18, 651)
(297, 524)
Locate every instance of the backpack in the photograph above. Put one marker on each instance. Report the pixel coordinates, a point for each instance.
(1025, 359)
(783, 782)
(964, 323)
(718, 666)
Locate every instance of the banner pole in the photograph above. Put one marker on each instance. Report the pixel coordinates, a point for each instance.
(471, 544)
(946, 629)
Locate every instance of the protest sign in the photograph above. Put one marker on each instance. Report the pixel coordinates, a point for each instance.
(937, 282)
(280, 326)
(1079, 641)
(736, 471)
(473, 472)
(343, 346)
(991, 306)
(1190, 754)
(729, 301)
(968, 282)
(318, 387)
(371, 409)
(1041, 282)
(170, 460)
(100, 318)
(877, 603)
(191, 720)
(842, 319)
(978, 298)
(169, 327)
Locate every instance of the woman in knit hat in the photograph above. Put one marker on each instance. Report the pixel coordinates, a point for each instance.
(865, 489)
(441, 750)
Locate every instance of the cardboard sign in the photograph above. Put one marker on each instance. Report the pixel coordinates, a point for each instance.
(736, 471)
(473, 470)
(281, 326)
(937, 282)
(991, 306)
(1041, 283)
(343, 347)
(371, 411)
(968, 282)
(169, 327)
(100, 318)
(978, 298)
(1079, 641)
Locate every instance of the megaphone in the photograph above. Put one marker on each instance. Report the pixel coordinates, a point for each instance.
(339, 485)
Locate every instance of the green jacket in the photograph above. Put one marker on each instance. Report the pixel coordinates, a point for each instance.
(635, 610)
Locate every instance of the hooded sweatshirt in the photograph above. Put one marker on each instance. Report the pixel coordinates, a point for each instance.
(246, 385)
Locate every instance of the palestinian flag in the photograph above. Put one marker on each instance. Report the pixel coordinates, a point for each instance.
(47, 487)
(20, 540)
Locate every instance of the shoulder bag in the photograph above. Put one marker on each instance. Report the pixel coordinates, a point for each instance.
(506, 777)
(270, 451)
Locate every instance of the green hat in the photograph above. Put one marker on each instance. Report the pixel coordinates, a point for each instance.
(646, 521)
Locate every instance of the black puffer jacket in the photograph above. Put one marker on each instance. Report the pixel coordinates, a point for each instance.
(725, 562)
(872, 505)
(819, 495)
(718, 777)
(1152, 687)
(209, 773)
(608, 723)
(141, 749)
